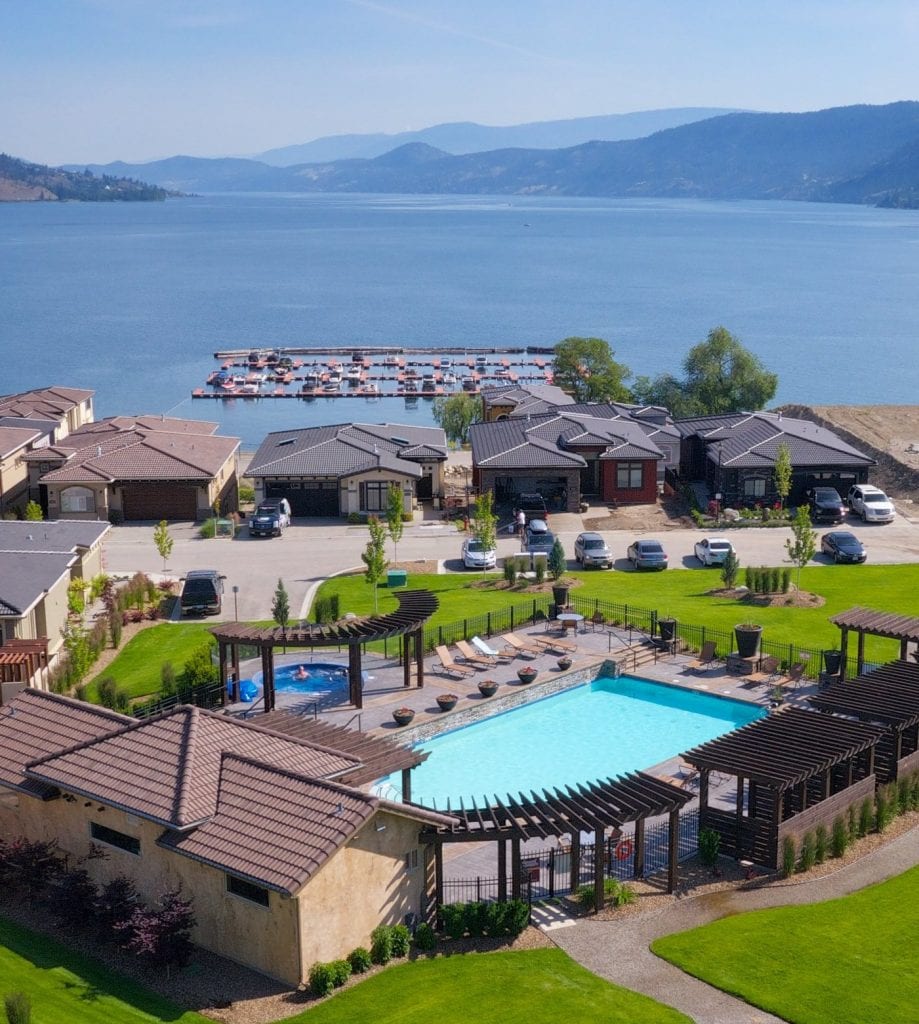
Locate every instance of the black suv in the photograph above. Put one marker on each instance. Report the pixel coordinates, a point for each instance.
(826, 505)
(533, 506)
(202, 593)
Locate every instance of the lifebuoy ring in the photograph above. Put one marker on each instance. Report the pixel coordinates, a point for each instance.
(624, 849)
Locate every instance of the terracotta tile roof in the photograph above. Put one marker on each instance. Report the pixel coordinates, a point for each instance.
(167, 769)
(14, 438)
(120, 424)
(54, 401)
(27, 575)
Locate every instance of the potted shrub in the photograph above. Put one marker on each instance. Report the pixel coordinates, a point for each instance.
(526, 674)
(667, 628)
(747, 635)
(402, 716)
(488, 687)
(560, 595)
(564, 662)
(832, 661)
(447, 701)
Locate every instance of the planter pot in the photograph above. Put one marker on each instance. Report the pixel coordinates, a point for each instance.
(403, 717)
(748, 640)
(526, 675)
(832, 660)
(447, 701)
(667, 628)
(560, 596)
(488, 688)
(564, 663)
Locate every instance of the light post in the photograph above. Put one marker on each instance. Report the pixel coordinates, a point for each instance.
(235, 603)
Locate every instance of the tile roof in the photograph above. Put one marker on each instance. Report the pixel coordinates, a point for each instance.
(12, 439)
(52, 402)
(26, 575)
(167, 769)
(51, 535)
(111, 425)
(526, 399)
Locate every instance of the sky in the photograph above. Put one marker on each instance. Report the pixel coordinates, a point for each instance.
(90, 81)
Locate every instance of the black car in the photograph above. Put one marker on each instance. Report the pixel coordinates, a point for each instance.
(843, 546)
(826, 505)
(202, 592)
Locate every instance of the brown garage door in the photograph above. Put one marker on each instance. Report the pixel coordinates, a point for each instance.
(159, 501)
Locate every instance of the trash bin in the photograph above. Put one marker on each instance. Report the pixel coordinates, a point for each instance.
(396, 578)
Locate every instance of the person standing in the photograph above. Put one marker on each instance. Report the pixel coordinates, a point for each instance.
(521, 521)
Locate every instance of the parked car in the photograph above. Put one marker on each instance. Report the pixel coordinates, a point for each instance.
(533, 506)
(537, 526)
(713, 550)
(871, 503)
(540, 540)
(826, 505)
(647, 554)
(843, 546)
(592, 549)
(476, 556)
(202, 592)
(270, 518)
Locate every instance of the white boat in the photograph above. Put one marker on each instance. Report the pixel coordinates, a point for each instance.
(428, 382)
(391, 361)
(332, 387)
(354, 374)
(470, 384)
(449, 379)
(370, 390)
(311, 378)
(446, 364)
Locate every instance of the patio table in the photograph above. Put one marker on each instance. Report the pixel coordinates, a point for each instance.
(570, 620)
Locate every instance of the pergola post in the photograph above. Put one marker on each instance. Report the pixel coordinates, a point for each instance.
(438, 880)
(844, 651)
(738, 820)
(267, 678)
(599, 872)
(419, 658)
(406, 641)
(502, 871)
(673, 850)
(575, 861)
(234, 661)
(222, 664)
(406, 785)
(639, 847)
(355, 676)
(860, 664)
(515, 868)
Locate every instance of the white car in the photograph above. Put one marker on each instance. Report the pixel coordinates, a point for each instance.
(477, 556)
(713, 550)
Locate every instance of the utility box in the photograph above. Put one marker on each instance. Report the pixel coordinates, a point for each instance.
(396, 578)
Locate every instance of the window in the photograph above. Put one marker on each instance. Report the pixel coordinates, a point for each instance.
(247, 891)
(112, 838)
(411, 860)
(754, 487)
(629, 475)
(78, 499)
(374, 495)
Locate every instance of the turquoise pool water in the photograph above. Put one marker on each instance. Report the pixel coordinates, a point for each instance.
(607, 727)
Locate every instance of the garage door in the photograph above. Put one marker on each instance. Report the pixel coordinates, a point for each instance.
(159, 501)
(312, 499)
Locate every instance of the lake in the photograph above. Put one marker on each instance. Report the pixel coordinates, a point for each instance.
(132, 300)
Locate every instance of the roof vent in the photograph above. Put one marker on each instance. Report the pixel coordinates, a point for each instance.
(98, 451)
(400, 440)
(376, 450)
(287, 440)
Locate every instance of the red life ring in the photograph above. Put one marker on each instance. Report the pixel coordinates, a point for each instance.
(624, 849)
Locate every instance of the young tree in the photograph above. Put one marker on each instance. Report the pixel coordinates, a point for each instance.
(374, 556)
(801, 549)
(33, 512)
(729, 569)
(782, 472)
(557, 562)
(722, 376)
(280, 607)
(163, 541)
(456, 414)
(394, 523)
(586, 368)
(485, 522)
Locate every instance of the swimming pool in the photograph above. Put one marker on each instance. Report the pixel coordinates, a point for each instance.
(607, 727)
(319, 678)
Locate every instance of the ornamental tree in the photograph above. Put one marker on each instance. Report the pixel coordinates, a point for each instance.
(782, 472)
(374, 556)
(586, 368)
(802, 547)
(394, 522)
(485, 523)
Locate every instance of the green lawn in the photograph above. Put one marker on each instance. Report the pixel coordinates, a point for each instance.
(69, 989)
(136, 669)
(847, 961)
(541, 986)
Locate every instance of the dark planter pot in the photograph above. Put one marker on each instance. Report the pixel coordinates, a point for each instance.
(748, 638)
(560, 597)
(447, 701)
(667, 628)
(564, 663)
(526, 675)
(488, 688)
(403, 717)
(832, 661)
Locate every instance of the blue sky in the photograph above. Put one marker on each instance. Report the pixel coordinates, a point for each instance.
(98, 80)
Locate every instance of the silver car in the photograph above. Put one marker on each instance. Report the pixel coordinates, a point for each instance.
(477, 556)
(590, 549)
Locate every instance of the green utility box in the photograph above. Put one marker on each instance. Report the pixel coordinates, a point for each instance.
(396, 578)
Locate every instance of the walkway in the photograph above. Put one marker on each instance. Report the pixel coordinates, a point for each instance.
(618, 950)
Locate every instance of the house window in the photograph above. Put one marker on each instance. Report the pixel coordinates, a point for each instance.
(754, 487)
(247, 891)
(78, 499)
(374, 495)
(110, 837)
(629, 476)
(411, 860)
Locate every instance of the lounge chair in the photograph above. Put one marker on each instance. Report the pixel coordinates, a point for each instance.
(448, 665)
(795, 675)
(506, 653)
(705, 659)
(521, 646)
(555, 643)
(473, 657)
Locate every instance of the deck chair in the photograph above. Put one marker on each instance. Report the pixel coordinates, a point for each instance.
(705, 659)
(768, 671)
(556, 643)
(795, 675)
(474, 657)
(506, 653)
(448, 665)
(521, 646)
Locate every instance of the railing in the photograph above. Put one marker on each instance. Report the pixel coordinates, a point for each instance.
(207, 696)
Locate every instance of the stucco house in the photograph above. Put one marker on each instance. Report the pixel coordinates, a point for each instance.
(286, 863)
(348, 467)
(136, 468)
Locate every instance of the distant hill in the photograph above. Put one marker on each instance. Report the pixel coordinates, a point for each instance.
(469, 137)
(843, 154)
(24, 182)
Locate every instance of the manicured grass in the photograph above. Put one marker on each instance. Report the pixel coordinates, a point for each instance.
(540, 986)
(136, 669)
(681, 594)
(66, 988)
(847, 961)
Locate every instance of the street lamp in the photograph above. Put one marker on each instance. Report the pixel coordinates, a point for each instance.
(235, 603)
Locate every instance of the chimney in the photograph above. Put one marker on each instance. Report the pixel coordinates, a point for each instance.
(98, 451)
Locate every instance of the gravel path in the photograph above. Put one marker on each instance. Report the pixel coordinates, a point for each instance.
(618, 950)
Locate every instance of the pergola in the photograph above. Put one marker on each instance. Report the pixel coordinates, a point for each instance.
(889, 696)
(20, 660)
(795, 770)
(592, 808)
(408, 621)
(864, 621)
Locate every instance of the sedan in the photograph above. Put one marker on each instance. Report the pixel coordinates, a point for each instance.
(477, 556)
(843, 546)
(592, 549)
(713, 550)
(647, 554)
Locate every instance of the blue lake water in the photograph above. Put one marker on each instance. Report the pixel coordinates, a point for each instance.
(602, 729)
(133, 299)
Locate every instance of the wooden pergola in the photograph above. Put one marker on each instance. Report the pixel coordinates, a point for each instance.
(864, 622)
(408, 621)
(22, 660)
(795, 770)
(595, 808)
(888, 696)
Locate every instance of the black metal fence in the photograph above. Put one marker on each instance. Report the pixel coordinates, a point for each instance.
(208, 696)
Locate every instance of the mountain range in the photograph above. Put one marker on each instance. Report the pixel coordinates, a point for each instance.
(21, 181)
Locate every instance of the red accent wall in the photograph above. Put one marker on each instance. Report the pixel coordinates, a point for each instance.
(646, 495)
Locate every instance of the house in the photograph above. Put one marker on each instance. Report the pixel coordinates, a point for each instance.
(68, 408)
(735, 455)
(286, 864)
(348, 468)
(37, 563)
(136, 468)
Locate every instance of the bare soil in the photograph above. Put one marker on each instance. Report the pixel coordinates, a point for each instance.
(793, 599)
(671, 514)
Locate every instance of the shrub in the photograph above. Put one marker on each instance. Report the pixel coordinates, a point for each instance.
(821, 844)
(474, 918)
(320, 979)
(161, 935)
(853, 823)
(540, 570)
(18, 1008)
(775, 576)
(75, 900)
(730, 567)
(107, 689)
(516, 916)
(425, 939)
(808, 852)
(709, 846)
(904, 789)
(883, 809)
(208, 529)
(586, 897)
(557, 562)
(789, 857)
(454, 918)
(199, 670)
(400, 939)
(749, 577)
(839, 838)
(354, 518)
(117, 902)
(494, 918)
(381, 944)
(914, 792)
(246, 494)
(340, 971)
(167, 679)
(510, 570)
(360, 960)
(786, 580)
(30, 866)
(115, 627)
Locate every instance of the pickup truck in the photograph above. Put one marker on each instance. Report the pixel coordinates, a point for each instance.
(270, 519)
